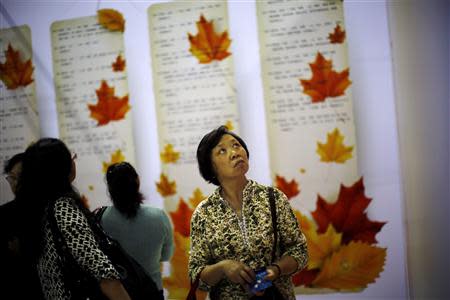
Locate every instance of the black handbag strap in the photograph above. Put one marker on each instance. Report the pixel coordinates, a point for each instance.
(273, 213)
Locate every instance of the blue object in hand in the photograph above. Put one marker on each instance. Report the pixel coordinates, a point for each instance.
(260, 283)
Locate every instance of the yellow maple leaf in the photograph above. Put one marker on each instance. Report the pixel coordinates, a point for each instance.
(169, 155)
(196, 198)
(352, 267)
(229, 125)
(178, 283)
(322, 245)
(334, 150)
(165, 187)
(116, 157)
(111, 19)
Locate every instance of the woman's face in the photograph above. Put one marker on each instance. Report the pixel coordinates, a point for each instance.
(229, 158)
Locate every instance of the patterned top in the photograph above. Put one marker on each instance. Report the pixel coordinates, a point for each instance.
(80, 241)
(217, 233)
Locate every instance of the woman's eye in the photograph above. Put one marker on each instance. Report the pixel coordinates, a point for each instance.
(236, 145)
(221, 151)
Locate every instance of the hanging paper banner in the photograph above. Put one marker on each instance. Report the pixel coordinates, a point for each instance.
(19, 121)
(313, 158)
(194, 90)
(92, 98)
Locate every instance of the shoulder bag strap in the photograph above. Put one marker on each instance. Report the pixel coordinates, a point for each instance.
(273, 213)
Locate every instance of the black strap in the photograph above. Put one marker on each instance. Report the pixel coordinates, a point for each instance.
(98, 213)
(273, 213)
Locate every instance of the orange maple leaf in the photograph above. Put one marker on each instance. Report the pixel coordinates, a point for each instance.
(347, 215)
(196, 198)
(109, 107)
(337, 36)
(165, 187)
(169, 155)
(178, 282)
(15, 73)
(181, 218)
(207, 45)
(334, 150)
(352, 267)
(119, 64)
(111, 19)
(290, 189)
(325, 82)
(116, 157)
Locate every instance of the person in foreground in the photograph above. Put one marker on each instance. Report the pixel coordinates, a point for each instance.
(231, 231)
(145, 232)
(48, 170)
(16, 268)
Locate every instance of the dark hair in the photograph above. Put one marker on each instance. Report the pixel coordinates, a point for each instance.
(208, 142)
(10, 163)
(45, 177)
(123, 187)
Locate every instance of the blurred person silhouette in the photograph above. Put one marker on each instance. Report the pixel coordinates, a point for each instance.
(45, 185)
(145, 232)
(232, 234)
(15, 269)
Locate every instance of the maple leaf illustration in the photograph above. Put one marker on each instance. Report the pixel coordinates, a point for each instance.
(196, 198)
(337, 36)
(116, 157)
(229, 125)
(109, 107)
(347, 215)
(165, 187)
(181, 218)
(305, 277)
(352, 267)
(334, 149)
(207, 45)
(119, 64)
(325, 82)
(111, 19)
(14, 72)
(178, 282)
(169, 155)
(290, 189)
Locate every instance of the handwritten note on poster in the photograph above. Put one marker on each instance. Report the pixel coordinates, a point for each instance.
(92, 99)
(19, 121)
(193, 94)
(307, 93)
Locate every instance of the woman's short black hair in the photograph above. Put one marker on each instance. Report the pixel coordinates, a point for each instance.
(208, 142)
(123, 186)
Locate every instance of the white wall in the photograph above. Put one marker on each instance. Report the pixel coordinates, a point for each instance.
(370, 71)
(420, 42)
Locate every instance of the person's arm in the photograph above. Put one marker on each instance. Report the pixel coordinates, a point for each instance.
(295, 255)
(167, 248)
(113, 289)
(235, 271)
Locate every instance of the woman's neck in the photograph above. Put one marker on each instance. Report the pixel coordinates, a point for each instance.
(232, 192)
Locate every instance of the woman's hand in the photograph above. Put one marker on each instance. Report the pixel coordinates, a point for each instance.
(272, 273)
(238, 272)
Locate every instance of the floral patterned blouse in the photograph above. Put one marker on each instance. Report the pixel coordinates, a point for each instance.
(217, 233)
(80, 241)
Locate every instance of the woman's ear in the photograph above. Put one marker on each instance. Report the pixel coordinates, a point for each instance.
(73, 171)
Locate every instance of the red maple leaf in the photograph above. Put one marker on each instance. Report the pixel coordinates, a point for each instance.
(290, 189)
(109, 107)
(347, 215)
(305, 277)
(338, 35)
(181, 218)
(119, 64)
(325, 82)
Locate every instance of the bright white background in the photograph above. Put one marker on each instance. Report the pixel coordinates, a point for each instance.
(373, 98)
